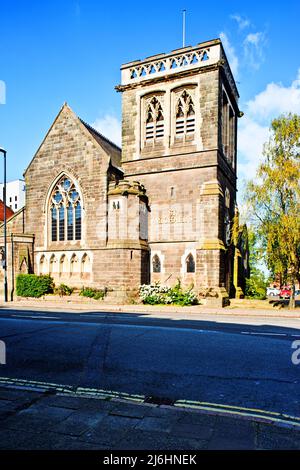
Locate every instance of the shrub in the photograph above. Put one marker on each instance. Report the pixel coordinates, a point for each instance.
(31, 285)
(63, 289)
(96, 294)
(183, 297)
(155, 294)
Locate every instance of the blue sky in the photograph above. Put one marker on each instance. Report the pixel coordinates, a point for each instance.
(56, 51)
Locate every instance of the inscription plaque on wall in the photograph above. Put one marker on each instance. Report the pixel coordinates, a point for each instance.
(172, 217)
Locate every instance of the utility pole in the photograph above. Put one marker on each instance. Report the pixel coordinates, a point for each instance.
(5, 228)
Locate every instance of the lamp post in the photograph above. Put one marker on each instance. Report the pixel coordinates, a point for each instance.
(4, 217)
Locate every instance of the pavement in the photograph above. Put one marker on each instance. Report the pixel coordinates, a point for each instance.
(37, 420)
(275, 308)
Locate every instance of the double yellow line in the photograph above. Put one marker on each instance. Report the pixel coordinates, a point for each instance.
(263, 415)
(96, 393)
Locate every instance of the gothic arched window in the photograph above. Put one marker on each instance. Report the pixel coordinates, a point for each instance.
(63, 267)
(85, 266)
(65, 211)
(74, 265)
(42, 264)
(52, 264)
(185, 116)
(190, 264)
(156, 264)
(154, 121)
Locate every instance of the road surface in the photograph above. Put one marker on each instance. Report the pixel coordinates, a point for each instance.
(231, 361)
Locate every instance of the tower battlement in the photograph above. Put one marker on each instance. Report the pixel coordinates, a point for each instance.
(186, 59)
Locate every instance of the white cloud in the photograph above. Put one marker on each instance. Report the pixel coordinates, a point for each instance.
(276, 99)
(254, 49)
(253, 38)
(230, 52)
(254, 126)
(251, 139)
(242, 22)
(110, 127)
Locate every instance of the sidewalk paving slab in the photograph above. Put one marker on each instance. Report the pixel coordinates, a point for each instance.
(61, 422)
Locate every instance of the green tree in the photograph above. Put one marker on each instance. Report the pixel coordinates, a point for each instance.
(274, 197)
(257, 283)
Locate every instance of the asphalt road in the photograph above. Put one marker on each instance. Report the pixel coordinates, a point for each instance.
(245, 364)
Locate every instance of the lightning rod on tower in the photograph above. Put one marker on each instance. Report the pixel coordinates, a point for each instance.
(183, 27)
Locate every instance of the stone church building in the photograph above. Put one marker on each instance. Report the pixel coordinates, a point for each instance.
(160, 209)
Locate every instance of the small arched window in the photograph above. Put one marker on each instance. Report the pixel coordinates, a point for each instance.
(190, 264)
(185, 116)
(65, 211)
(154, 121)
(156, 264)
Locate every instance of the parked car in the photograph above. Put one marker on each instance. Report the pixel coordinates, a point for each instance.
(272, 291)
(297, 292)
(285, 292)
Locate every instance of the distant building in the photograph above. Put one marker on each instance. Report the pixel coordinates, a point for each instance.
(9, 212)
(15, 194)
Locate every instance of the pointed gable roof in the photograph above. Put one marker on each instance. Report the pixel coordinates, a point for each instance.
(111, 149)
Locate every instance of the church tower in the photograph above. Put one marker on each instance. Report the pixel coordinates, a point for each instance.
(179, 131)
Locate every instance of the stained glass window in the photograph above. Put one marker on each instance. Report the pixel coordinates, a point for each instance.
(65, 209)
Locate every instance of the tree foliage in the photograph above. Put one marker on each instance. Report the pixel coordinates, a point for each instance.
(274, 197)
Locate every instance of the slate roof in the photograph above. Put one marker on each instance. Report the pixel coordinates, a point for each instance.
(110, 147)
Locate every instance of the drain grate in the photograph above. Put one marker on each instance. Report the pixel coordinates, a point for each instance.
(159, 400)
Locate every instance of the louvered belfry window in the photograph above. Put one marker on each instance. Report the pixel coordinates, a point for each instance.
(228, 130)
(154, 121)
(185, 116)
